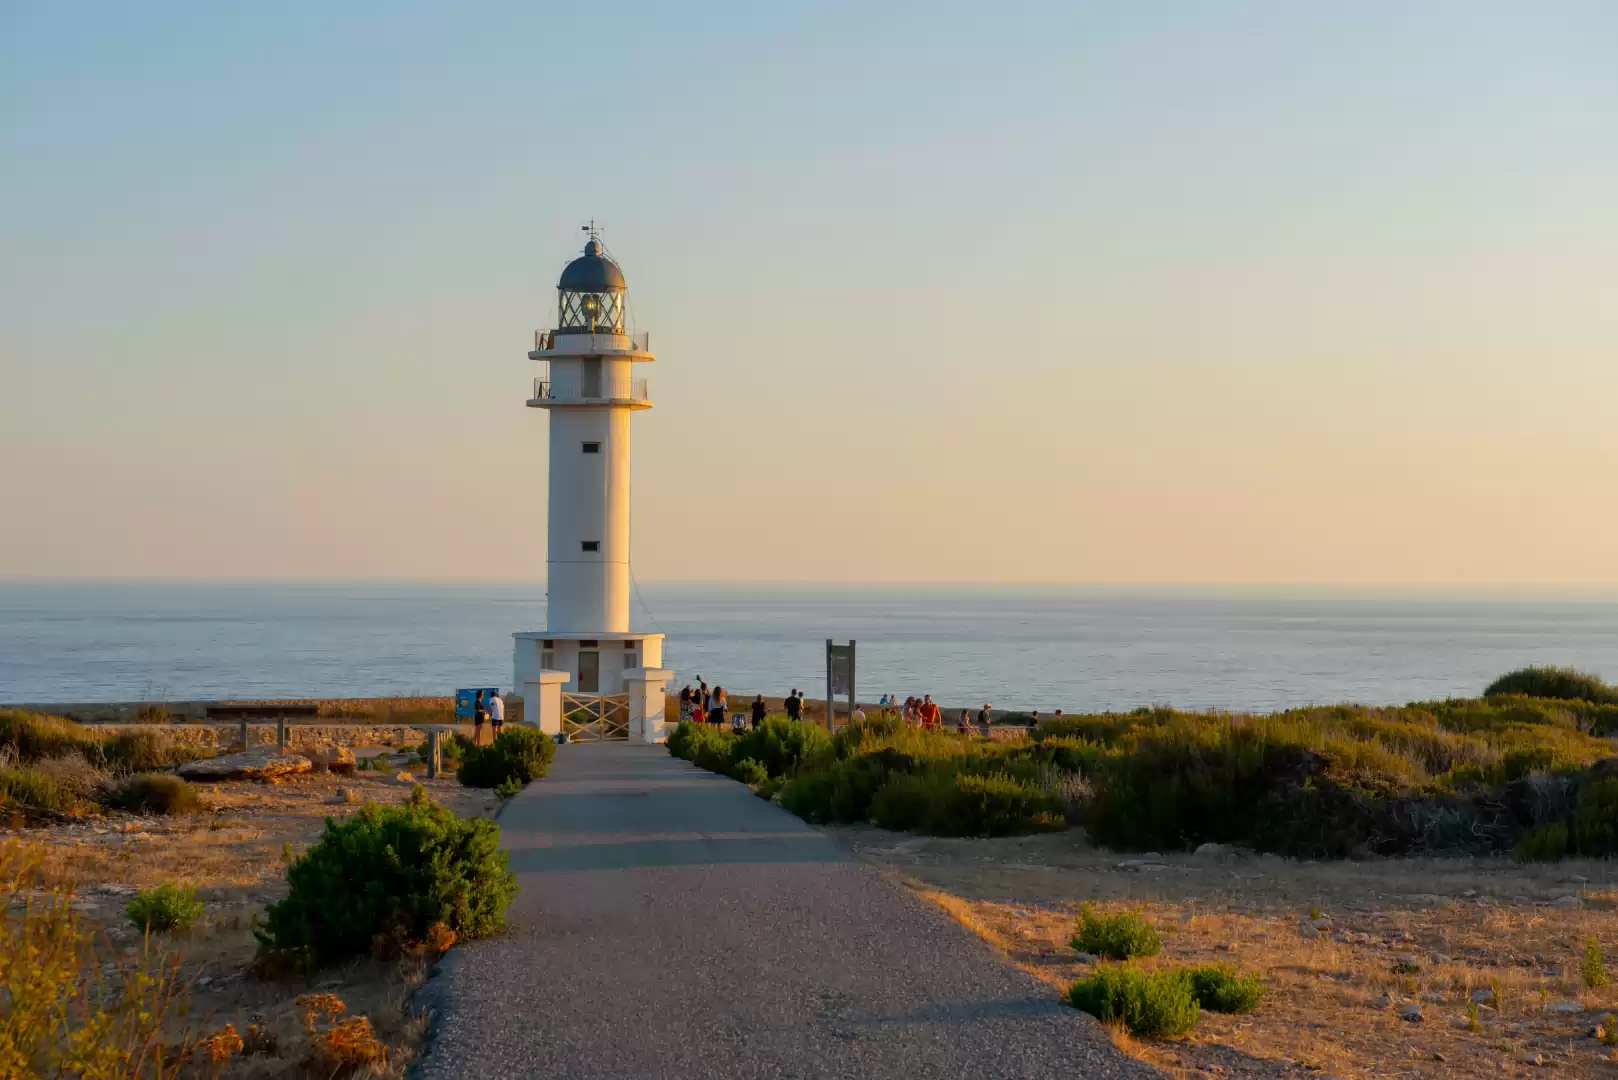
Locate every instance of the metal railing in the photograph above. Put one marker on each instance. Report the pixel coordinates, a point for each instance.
(544, 390)
(545, 340)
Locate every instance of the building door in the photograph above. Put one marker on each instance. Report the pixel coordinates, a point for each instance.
(589, 671)
(590, 377)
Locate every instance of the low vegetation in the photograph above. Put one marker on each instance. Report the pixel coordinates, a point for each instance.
(165, 908)
(1152, 1004)
(1123, 936)
(1481, 775)
(152, 793)
(65, 1014)
(1554, 682)
(518, 755)
(387, 879)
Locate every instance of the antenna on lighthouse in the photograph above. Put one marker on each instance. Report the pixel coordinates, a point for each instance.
(593, 229)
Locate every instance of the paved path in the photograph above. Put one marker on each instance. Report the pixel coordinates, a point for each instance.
(672, 925)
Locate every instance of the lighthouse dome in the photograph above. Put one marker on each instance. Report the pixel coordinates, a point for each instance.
(592, 272)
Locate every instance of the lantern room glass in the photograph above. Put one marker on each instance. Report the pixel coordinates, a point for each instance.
(594, 312)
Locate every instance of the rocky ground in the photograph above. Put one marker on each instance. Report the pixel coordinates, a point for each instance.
(1369, 967)
(235, 854)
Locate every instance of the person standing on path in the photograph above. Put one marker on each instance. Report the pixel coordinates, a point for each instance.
(983, 718)
(717, 716)
(497, 711)
(758, 711)
(685, 702)
(794, 705)
(930, 715)
(479, 714)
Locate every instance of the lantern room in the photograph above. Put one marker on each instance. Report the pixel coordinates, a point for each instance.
(590, 294)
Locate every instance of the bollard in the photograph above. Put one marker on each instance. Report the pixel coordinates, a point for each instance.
(244, 733)
(435, 749)
(281, 734)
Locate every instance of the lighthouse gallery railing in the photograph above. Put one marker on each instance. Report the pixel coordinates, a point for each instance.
(545, 390)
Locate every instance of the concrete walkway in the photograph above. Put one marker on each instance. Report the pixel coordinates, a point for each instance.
(671, 924)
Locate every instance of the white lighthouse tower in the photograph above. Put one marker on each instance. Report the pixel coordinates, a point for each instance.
(587, 672)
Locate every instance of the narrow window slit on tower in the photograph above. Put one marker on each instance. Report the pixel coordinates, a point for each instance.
(592, 545)
(592, 448)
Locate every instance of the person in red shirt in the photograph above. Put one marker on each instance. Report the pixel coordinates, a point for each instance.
(930, 716)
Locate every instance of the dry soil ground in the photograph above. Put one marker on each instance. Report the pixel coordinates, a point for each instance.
(1453, 929)
(234, 853)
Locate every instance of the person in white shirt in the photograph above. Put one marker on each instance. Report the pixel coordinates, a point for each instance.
(497, 710)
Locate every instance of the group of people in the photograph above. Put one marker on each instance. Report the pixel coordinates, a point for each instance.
(491, 710)
(700, 705)
(924, 713)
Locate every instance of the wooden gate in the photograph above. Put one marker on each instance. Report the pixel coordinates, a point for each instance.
(595, 717)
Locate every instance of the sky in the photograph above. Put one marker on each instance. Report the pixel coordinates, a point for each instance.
(1256, 292)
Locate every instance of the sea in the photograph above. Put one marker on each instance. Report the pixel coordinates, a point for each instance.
(1015, 647)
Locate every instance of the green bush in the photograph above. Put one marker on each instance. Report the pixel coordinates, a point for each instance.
(703, 745)
(1554, 682)
(517, 754)
(944, 803)
(1594, 829)
(394, 871)
(1123, 936)
(507, 787)
(750, 772)
(31, 787)
(1592, 966)
(779, 745)
(450, 749)
(164, 908)
(1156, 1005)
(152, 793)
(1221, 988)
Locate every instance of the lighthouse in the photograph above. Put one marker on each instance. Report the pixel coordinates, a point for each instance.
(587, 674)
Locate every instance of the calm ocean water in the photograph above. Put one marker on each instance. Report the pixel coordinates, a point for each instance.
(1069, 647)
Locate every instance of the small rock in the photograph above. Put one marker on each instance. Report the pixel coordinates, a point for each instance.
(1531, 1058)
(346, 795)
(1406, 965)
(1564, 1007)
(1225, 946)
(1425, 899)
(1084, 957)
(1440, 958)
(1211, 851)
(1410, 1013)
(1576, 879)
(405, 778)
(1565, 902)
(1307, 929)
(259, 763)
(1483, 997)
(1322, 924)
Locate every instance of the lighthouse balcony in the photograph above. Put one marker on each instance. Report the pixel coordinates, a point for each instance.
(550, 344)
(632, 393)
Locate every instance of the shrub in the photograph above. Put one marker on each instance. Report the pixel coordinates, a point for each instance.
(392, 871)
(34, 787)
(1123, 936)
(779, 745)
(518, 755)
(1554, 682)
(1221, 988)
(1592, 968)
(148, 750)
(703, 746)
(944, 803)
(164, 908)
(507, 787)
(152, 714)
(750, 772)
(1160, 1004)
(35, 736)
(1608, 1031)
(153, 793)
(1547, 843)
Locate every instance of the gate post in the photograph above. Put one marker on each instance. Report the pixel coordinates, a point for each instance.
(281, 734)
(244, 733)
(435, 760)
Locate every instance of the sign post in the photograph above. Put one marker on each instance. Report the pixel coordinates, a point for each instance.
(839, 678)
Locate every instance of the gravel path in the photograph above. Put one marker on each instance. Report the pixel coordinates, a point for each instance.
(670, 924)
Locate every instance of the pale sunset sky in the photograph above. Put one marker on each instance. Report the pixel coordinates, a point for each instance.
(1249, 292)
